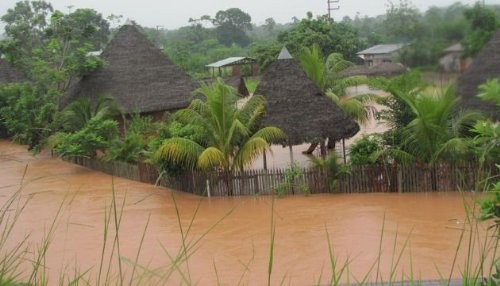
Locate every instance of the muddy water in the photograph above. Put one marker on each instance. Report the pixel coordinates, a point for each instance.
(238, 246)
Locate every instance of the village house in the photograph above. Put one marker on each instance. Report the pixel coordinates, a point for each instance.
(452, 60)
(138, 75)
(385, 53)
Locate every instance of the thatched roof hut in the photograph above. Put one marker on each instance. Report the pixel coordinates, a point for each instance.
(137, 75)
(10, 74)
(297, 106)
(383, 69)
(485, 66)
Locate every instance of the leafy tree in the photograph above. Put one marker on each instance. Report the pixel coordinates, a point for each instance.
(483, 23)
(235, 17)
(329, 36)
(53, 50)
(270, 24)
(81, 26)
(25, 26)
(265, 54)
(403, 21)
(231, 135)
(27, 113)
(231, 25)
(228, 34)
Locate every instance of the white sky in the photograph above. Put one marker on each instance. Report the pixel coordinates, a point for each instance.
(171, 14)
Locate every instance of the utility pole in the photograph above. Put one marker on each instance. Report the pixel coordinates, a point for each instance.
(332, 5)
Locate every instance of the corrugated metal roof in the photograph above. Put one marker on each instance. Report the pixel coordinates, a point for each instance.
(231, 62)
(382, 49)
(454, 48)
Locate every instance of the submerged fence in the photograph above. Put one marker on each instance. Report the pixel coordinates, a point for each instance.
(360, 179)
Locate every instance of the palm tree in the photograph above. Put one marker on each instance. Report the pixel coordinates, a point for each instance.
(439, 127)
(76, 115)
(232, 139)
(326, 76)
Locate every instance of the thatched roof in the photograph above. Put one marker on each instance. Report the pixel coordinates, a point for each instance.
(485, 66)
(10, 74)
(297, 106)
(383, 69)
(137, 75)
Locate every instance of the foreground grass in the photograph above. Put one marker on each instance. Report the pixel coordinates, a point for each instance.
(115, 269)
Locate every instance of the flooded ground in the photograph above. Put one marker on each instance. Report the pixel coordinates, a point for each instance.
(237, 249)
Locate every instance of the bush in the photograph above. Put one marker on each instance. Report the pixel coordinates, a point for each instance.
(96, 135)
(27, 113)
(362, 149)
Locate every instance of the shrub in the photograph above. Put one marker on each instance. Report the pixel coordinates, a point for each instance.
(361, 150)
(96, 135)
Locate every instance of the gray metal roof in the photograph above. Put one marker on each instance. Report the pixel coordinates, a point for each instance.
(231, 62)
(454, 48)
(382, 49)
(284, 54)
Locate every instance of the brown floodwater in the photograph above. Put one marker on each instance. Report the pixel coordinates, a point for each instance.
(237, 248)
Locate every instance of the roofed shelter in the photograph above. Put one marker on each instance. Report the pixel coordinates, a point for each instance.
(485, 66)
(235, 64)
(9, 73)
(138, 75)
(380, 54)
(297, 106)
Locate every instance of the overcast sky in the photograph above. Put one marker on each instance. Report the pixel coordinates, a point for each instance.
(172, 14)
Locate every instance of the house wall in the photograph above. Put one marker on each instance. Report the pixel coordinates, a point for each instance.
(376, 59)
(452, 62)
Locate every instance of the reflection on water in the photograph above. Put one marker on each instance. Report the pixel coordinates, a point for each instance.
(354, 222)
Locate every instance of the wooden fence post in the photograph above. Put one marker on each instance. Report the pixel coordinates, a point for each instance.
(400, 179)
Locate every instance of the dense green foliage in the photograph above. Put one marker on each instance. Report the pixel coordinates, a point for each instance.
(362, 150)
(50, 46)
(230, 136)
(95, 136)
(27, 113)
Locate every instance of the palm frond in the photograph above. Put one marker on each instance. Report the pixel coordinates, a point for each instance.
(252, 109)
(252, 148)
(211, 158)
(270, 134)
(313, 64)
(396, 154)
(490, 90)
(179, 151)
(336, 63)
(453, 149)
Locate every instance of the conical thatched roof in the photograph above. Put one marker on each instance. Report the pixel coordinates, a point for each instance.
(297, 106)
(383, 69)
(10, 74)
(485, 66)
(137, 75)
